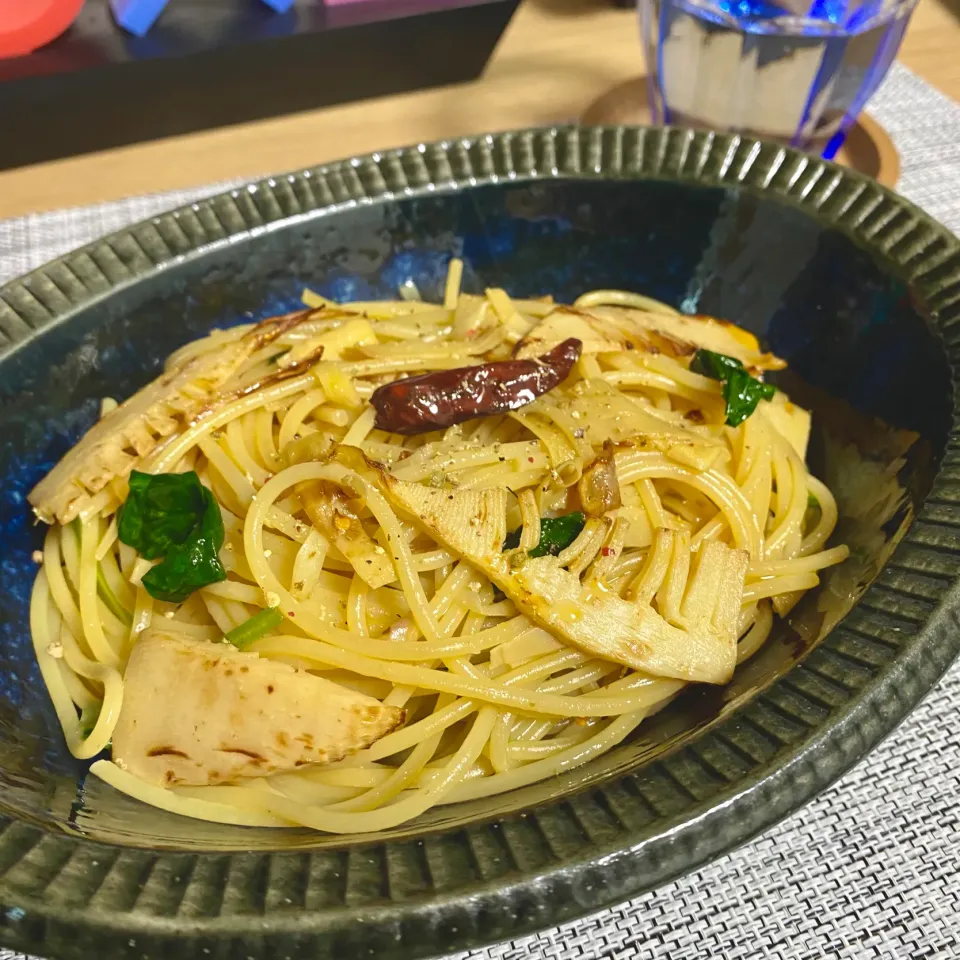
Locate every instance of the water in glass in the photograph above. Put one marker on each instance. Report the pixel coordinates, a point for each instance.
(786, 70)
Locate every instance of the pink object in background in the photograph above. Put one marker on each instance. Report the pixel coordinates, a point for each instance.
(344, 13)
(402, 7)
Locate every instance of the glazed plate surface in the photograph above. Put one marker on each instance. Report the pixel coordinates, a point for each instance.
(855, 287)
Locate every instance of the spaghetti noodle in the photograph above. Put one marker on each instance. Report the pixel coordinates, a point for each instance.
(500, 595)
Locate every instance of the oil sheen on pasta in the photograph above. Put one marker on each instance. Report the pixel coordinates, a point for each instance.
(430, 618)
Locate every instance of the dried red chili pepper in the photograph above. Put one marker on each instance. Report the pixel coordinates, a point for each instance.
(433, 401)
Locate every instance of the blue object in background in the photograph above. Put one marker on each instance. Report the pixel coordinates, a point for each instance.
(797, 71)
(138, 16)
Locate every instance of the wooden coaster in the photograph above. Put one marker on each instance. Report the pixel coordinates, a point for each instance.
(867, 149)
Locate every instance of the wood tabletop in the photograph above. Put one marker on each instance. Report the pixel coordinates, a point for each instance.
(555, 59)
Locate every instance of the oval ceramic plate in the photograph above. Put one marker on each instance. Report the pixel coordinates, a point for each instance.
(856, 287)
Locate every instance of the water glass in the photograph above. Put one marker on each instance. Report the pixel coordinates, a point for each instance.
(797, 71)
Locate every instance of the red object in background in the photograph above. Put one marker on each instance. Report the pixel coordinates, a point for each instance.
(26, 25)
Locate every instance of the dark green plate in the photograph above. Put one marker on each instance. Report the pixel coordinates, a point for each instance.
(858, 289)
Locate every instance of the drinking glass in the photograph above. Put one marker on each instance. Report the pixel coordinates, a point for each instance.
(797, 71)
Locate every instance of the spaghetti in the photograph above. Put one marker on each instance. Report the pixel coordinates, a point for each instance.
(500, 589)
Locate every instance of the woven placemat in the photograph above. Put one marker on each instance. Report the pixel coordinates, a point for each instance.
(871, 868)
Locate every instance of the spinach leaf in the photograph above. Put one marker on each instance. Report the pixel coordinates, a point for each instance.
(193, 564)
(741, 392)
(161, 511)
(556, 534)
(174, 516)
(256, 627)
(716, 366)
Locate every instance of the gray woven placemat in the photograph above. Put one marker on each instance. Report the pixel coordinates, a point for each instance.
(871, 868)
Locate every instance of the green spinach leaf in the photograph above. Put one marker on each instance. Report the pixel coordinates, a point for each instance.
(161, 511)
(741, 392)
(556, 534)
(716, 366)
(174, 516)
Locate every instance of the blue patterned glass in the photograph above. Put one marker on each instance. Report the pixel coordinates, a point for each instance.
(797, 71)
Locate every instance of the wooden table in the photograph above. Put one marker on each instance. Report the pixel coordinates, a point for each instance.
(556, 58)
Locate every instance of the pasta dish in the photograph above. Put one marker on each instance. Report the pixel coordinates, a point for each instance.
(343, 565)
